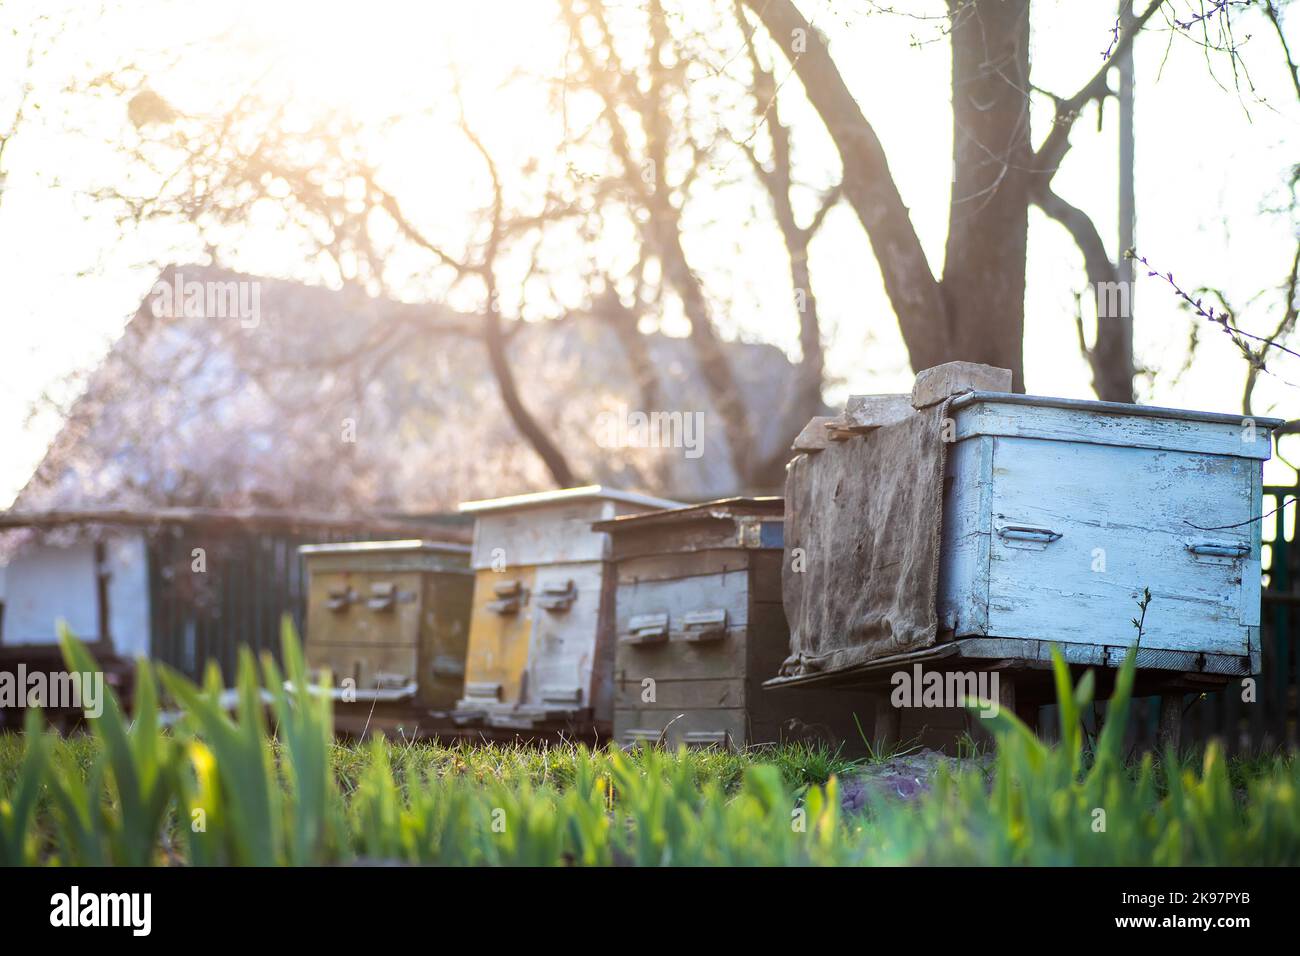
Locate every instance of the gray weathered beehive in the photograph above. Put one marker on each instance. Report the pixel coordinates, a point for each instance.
(700, 628)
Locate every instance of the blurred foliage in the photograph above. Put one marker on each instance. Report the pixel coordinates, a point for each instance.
(223, 788)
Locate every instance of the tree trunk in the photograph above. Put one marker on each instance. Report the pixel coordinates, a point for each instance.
(715, 367)
(533, 433)
(868, 185)
(984, 267)
(661, 231)
(977, 312)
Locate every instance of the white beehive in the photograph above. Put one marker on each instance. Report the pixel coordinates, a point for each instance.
(1058, 514)
(541, 630)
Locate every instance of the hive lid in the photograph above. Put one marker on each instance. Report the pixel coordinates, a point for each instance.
(404, 546)
(767, 507)
(564, 495)
(1114, 408)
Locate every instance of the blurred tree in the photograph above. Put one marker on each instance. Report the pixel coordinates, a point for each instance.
(657, 98)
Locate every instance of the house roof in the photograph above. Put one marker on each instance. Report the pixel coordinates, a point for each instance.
(335, 402)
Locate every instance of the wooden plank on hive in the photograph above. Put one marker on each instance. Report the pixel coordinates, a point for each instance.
(813, 437)
(672, 567)
(680, 694)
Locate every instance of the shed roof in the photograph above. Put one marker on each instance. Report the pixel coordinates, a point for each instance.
(406, 546)
(257, 519)
(563, 495)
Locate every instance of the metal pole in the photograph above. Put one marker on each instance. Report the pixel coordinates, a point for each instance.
(1127, 202)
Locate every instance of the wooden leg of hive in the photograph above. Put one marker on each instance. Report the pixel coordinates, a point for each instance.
(1170, 731)
(1011, 697)
(888, 730)
(1027, 711)
(1006, 691)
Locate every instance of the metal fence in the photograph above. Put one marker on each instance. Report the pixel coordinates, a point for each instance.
(250, 577)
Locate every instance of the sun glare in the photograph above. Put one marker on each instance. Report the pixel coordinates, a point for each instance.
(380, 58)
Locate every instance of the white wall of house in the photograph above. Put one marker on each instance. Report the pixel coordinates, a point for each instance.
(45, 583)
(128, 594)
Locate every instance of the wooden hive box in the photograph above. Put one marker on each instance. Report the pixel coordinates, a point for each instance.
(541, 631)
(1059, 513)
(392, 616)
(700, 627)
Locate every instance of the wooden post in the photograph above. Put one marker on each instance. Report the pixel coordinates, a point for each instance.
(1018, 703)
(1006, 691)
(888, 729)
(102, 575)
(1127, 194)
(1170, 731)
(1027, 711)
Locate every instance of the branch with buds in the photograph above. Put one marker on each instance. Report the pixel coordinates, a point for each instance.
(1220, 317)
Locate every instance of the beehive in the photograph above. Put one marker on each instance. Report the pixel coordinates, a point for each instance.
(541, 632)
(1058, 514)
(700, 627)
(984, 527)
(391, 616)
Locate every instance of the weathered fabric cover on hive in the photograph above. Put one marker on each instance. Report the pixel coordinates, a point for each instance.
(866, 513)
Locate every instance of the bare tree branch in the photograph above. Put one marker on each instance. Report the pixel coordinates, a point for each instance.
(868, 184)
(1112, 376)
(1048, 156)
(647, 182)
(805, 400)
(533, 433)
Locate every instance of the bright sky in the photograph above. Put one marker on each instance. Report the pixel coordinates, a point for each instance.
(1210, 160)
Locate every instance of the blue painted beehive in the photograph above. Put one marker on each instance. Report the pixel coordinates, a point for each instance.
(968, 523)
(1059, 514)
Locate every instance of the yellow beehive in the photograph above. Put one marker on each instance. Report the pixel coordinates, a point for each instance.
(391, 618)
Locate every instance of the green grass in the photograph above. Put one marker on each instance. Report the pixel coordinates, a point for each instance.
(235, 789)
(556, 766)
